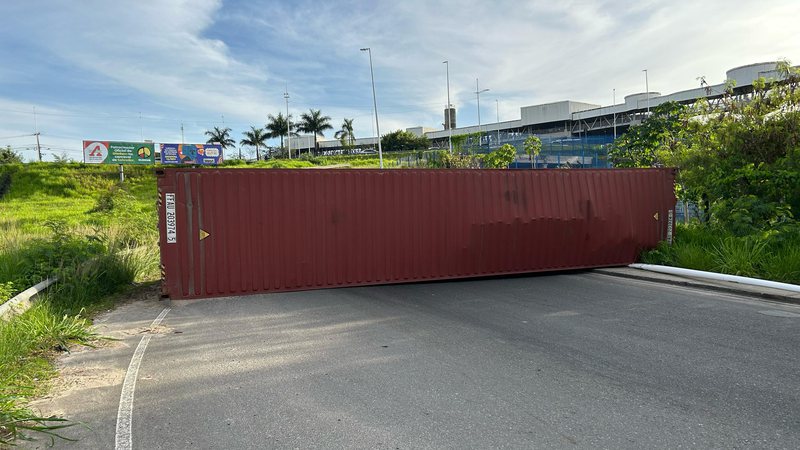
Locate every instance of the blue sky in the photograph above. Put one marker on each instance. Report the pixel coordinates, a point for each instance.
(126, 70)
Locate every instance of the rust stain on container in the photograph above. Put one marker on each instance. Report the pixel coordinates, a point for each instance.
(234, 232)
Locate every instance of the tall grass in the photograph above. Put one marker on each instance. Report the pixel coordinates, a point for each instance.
(773, 256)
(25, 347)
(740, 255)
(784, 265)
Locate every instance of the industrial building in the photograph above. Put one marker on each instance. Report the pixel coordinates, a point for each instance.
(573, 133)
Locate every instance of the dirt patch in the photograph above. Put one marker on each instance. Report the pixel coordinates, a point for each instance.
(72, 379)
(158, 329)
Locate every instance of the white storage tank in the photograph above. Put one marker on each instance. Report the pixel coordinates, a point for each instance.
(744, 75)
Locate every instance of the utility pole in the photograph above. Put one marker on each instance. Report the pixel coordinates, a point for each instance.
(181, 132)
(38, 147)
(141, 127)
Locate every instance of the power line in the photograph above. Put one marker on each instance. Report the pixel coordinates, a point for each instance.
(18, 136)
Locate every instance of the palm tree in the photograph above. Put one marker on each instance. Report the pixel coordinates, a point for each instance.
(256, 137)
(315, 123)
(277, 126)
(221, 136)
(345, 135)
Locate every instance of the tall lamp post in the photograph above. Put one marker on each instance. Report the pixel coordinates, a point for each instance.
(375, 105)
(614, 95)
(447, 120)
(288, 124)
(497, 103)
(478, 93)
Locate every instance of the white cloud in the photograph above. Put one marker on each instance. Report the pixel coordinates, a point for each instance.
(525, 52)
(157, 48)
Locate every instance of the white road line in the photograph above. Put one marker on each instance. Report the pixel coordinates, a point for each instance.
(122, 439)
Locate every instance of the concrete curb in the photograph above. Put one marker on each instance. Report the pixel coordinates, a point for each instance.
(718, 277)
(22, 301)
(645, 276)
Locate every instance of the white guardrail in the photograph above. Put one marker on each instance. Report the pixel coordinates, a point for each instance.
(22, 301)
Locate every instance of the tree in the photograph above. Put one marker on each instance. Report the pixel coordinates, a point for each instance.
(460, 140)
(221, 136)
(8, 156)
(660, 133)
(738, 157)
(742, 156)
(257, 138)
(401, 140)
(345, 134)
(532, 146)
(278, 126)
(315, 123)
(63, 158)
(500, 158)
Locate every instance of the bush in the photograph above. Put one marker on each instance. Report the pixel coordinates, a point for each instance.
(500, 158)
(447, 160)
(403, 141)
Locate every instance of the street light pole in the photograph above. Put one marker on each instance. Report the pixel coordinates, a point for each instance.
(497, 103)
(288, 124)
(478, 93)
(375, 105)
(614, 94)
(647, 90)
(447, 120)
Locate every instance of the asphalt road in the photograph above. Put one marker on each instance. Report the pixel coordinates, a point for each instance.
(577, 360)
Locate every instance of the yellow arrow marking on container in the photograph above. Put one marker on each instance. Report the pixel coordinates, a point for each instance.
(204, 234)
(655, 216)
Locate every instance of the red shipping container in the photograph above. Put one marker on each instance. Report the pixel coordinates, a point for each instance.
(244, 231)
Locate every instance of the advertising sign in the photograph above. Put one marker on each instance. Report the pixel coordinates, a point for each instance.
(200, 154)
(110, 152)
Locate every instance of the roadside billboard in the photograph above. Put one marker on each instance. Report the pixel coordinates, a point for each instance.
(113, 152)
(199, 154)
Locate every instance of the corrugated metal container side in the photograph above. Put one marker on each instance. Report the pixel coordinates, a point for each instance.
(233, 231)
